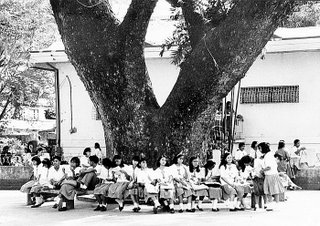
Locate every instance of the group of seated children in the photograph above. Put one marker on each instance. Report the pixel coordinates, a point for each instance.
(113, 180)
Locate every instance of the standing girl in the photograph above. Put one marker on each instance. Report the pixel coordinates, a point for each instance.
(272, 184)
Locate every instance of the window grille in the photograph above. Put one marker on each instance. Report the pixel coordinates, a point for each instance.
(270, 94)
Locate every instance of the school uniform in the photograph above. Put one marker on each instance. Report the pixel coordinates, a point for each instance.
(199, 189)
(43, 180)
(69, 185)
(272, 183)
(144, 178)
(106, 177)
(214, 191)
(91, 179)
(36, 172)
(230, 172)
(181, 173)
(164, 178)
(117, 189)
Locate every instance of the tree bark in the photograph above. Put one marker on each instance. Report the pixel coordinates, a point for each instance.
(108, 57)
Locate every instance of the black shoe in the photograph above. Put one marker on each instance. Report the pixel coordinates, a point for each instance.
(55, 206)
(200, 209)
(233, 210)
(215, 210)
(37, 205)
(121, 207)
(62, 209)
(103, 209)
(187, 210)
(98, 208)
(240, 209)
(155, 210)
(135, 209)
(173, 211)
(194, 210)
(180, 211)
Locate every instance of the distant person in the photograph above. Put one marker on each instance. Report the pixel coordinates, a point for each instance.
(240, 152)
(254, 152)
(284, 164)
(98, 151)
(84, 160)
(6, 156)
(295, 155)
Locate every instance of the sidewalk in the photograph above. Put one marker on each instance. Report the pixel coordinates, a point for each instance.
(302, 208)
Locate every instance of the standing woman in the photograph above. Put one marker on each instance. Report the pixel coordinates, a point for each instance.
(98, 151)
(197, 176)
(272, 184)
(284, 164)
(164, 178)
(181, 178)
(213, 182)
(229, 176)
(84, 160)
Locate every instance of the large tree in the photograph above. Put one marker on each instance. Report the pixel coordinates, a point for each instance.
(108, 57)
(24, 26)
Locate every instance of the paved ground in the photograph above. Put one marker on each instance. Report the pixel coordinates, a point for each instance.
(302, 208)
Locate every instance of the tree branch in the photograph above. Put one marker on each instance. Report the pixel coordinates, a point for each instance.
(223, 57)
(134, 25)
(195, 22)
(4, 109)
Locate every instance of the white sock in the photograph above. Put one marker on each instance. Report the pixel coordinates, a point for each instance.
(165, 202)
(120, 202)
(156, 202)
(105, 205)
(135, 205)
(64, 204)
(100, 205)
(171, 206)
(83, 186)
(193, 204)
(189, 206)
(237, 204)
(181, 206)
(214, 203)
(200, 203)
(38, 200)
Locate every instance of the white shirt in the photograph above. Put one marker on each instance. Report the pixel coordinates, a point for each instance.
(84, 160)
(239, 154)
(120, 177)
(230, 173)
(54, 174)
(69, 172)
(292, 152)
(36, 170)
(179, 172)
(196, 176)
(270, 161)
(145, 176)
(163, 175)
(257, 167)
(105, 173)
(98, 153)
(44, 176)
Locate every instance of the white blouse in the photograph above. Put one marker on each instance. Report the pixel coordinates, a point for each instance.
(229, 172)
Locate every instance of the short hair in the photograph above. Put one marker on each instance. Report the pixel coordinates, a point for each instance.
(76, 160)
(254, 144)
(264, 147)
(56, 157)
(296, 141)
(96, 145)
(241, 144)
(136, 158)
(281, 144)
(37, 159)
(114, 160)
(94, 159)
(175, 159)
(107, 163)
(87, 149)
(47, 162)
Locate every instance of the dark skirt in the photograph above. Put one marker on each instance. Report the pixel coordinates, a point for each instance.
(68, 191)
(117, 190)
(258, 186)
(215, 193)
(102, 189)
(182, 190)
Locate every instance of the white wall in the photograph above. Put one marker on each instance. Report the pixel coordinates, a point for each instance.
(162, 74)
(274, 121)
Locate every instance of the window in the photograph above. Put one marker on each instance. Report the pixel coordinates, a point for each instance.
(95, 114)
(270, 94)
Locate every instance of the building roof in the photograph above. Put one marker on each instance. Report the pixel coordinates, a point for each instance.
(285, 40)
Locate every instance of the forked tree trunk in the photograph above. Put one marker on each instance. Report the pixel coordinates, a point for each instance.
(108, 57)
